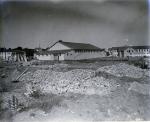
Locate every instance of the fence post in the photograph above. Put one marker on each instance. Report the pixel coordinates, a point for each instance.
(13, 104)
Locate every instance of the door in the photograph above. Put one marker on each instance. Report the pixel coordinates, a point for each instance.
(56, 57)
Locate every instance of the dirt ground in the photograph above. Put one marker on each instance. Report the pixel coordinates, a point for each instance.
(130, 100)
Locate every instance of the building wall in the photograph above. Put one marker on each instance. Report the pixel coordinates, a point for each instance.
(137, 52)
(62, 57)
(5, 55)
(44, 57)
(72, 55)
(49, 57)
(131, 52)
(114, 53)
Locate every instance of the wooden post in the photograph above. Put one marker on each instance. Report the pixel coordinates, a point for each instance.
(13, 104)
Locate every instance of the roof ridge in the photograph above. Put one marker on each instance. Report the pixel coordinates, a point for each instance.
(77, 45)
(75, 42)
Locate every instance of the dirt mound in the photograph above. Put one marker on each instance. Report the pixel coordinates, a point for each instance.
(123, 69)
(77, 81)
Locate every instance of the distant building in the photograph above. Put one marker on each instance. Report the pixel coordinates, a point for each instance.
(12, 55)
(130, 51)
(5, 54)
(29, 53)
(70, 51)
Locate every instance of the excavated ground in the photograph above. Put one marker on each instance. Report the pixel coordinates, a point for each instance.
(75, 92)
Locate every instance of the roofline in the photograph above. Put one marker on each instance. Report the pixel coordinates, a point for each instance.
(65, 51)
(54, 44)
(75, 43)
(134, 47)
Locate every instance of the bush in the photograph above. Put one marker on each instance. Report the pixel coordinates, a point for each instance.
(140, 63)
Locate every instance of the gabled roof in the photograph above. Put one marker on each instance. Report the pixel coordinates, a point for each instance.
(133, 47)
(140, 47)
(77, 46)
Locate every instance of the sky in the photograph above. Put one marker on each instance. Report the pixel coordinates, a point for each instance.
(104, 23)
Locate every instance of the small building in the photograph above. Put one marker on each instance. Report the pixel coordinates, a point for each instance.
(12, 55)
(130, 51)
(70, 51)
(5, 54)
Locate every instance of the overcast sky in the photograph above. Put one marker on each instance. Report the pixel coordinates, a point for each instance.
(104, 23)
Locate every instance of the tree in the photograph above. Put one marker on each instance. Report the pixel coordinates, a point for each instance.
(18, 48)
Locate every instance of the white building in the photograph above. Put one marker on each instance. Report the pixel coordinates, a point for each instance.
(130, 51)
(70, 51)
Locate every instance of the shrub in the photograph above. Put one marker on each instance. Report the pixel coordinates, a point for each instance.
(140, 63)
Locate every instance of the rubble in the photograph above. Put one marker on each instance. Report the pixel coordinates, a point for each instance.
(120, 103)
(123, 69)
(77, 81)
(82, 81)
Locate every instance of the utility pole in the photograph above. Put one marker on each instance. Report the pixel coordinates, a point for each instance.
(4, 49)
(126, 42)
(39, 44)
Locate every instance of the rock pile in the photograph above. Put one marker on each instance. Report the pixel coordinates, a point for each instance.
(77, 81)
(122, 69)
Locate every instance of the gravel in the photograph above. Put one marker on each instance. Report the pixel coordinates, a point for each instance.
(122, 69)
(82, 81)
(76, 81)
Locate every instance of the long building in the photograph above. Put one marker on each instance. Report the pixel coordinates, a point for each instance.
(130, 51)
(70, 51)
